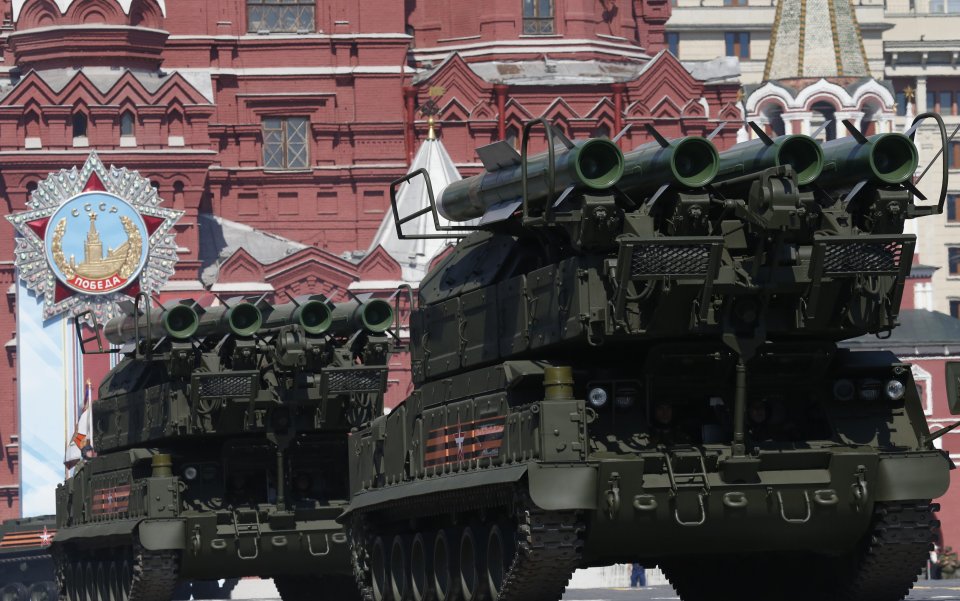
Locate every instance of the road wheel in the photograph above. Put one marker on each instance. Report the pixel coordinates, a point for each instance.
(14, 592)
(500, 550)
(418, 567)
(378, 569)
(113, 581)
(126, 580)
(103, 583)
(444, 565)
(43, 591)
(398, 569)
(471, 565)
(75, 586)
(90, 581)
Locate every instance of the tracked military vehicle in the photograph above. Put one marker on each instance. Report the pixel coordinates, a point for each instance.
(634, 358)
(26, 567)
(220, 441)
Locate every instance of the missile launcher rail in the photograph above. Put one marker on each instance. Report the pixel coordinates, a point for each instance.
(221, 439)
(652, 372)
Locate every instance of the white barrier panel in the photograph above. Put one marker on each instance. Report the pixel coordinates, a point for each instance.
(48, 371)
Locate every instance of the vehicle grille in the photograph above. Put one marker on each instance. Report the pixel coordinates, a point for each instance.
(670, 260)
(225, 386)
(872, 257)
(354, 380)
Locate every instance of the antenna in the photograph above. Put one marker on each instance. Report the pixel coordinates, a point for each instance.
(717, 130)
(657, 135)
(856, 133)
(760, 133)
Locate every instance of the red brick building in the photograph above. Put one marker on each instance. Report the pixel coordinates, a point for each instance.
(277, 126)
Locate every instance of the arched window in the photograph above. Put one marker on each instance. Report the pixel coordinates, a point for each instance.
(127, 125)
(178, 187)
(538, 17)
(79, 125)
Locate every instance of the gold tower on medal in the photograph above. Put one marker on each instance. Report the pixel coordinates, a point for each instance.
(97, 267)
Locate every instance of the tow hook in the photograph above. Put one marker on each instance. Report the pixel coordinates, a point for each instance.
(859, 487)
(613, 496)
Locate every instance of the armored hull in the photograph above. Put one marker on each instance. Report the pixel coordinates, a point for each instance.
(221, 449)
(652, 375)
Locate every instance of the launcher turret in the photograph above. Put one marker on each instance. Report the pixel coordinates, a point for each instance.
(221, 366)
(773, 239)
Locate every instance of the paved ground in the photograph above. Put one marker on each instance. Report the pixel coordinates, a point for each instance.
(927, 590)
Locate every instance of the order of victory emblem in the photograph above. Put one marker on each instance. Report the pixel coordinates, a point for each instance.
(93, 237)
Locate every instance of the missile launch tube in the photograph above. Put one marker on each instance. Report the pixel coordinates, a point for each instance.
(801, 152)
(883, 159)
(594, 164)
(374, 316)
(313, 316)
(690, 162)
(178, 321)
(241, 319)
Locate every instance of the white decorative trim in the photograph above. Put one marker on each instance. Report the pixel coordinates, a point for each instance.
(767, 91)
(846, 104)
(824, 87)
(873, 87)
(64, 6)
(706, 107)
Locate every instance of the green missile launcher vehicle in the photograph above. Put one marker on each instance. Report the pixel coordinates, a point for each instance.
(26, 567)
(221, 443)
(650, 372)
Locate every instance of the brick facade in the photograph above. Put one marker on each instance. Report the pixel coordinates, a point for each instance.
(298, 133)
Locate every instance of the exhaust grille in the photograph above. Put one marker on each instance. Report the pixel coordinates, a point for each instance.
(673, 260)
(219, 386)
(354, 380)
(870, 257)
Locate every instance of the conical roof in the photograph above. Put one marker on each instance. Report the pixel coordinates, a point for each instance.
(415, 256)
(816, 38)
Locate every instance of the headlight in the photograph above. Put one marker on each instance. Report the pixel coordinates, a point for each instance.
(844, 390)
(598, 397)
(190, 473)
(895, 390)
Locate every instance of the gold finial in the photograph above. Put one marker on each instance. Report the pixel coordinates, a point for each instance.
(909, 93)
(431, 133)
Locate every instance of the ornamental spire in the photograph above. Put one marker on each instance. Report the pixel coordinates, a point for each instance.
(816, 38)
